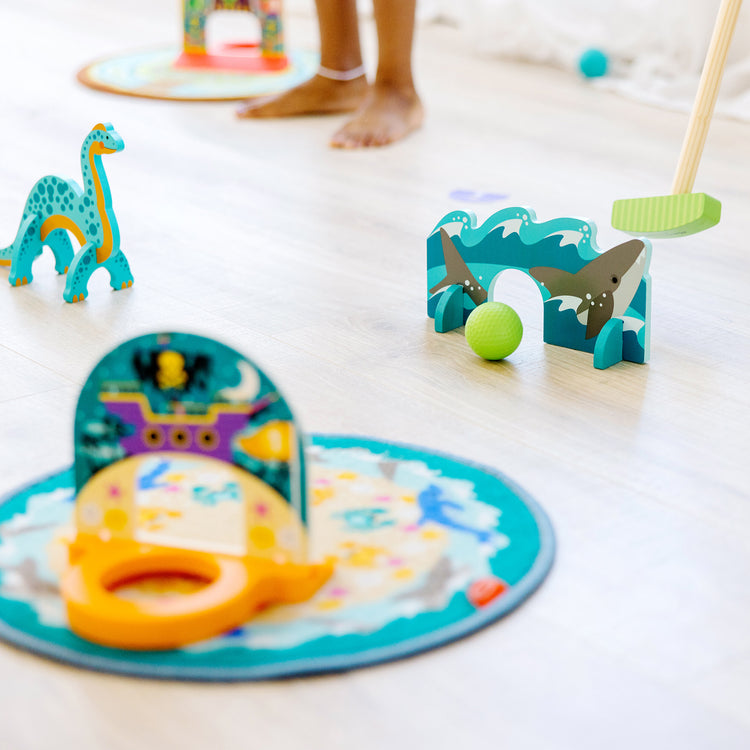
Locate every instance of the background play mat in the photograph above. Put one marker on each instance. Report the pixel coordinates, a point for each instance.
(256, 66)
(152, 74)
(199, 535)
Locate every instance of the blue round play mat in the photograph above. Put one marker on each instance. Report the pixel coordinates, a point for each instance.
(152, 74)
(428, 547)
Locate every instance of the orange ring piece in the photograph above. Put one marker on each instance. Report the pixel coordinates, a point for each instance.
(238, 586)
(97, 614)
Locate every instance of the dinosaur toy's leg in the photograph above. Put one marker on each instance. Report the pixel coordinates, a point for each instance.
(25, 248)
(120, 276)
(62, 248)
(79, 273)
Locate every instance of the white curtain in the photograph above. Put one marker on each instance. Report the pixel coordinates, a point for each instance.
(656, 48)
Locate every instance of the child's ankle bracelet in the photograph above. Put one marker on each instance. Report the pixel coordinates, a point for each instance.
(341, 75)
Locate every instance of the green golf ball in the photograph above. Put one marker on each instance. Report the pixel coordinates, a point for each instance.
(494, 330)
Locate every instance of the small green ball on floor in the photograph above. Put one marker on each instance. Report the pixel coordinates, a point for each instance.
(593, 63)
(494, 330)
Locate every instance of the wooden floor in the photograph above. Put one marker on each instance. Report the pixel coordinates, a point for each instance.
(312, 261)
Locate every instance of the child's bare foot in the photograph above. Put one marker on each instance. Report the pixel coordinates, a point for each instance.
(317, 96)
(387, 114)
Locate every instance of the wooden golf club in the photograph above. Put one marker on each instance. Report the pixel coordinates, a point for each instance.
(683, 212)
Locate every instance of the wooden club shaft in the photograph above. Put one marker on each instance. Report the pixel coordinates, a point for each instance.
(705, 100)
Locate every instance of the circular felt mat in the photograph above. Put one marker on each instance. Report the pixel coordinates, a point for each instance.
(152, 74)
(428, 548)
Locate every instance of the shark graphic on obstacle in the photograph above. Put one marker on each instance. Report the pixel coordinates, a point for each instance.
(595, 300)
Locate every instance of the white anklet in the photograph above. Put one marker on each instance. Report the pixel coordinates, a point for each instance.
(341, 75)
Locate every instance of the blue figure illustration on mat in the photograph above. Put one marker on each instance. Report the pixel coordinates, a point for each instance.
(433, 505)
(594, 301)
(366, 519)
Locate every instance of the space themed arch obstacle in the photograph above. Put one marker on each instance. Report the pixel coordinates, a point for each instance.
(185, 422)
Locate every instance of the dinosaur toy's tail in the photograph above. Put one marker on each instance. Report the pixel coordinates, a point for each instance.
(5, 255)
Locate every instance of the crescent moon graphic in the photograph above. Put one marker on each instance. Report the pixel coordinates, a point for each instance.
(248, 387)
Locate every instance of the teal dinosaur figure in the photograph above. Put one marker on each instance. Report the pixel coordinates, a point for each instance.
(56, 206)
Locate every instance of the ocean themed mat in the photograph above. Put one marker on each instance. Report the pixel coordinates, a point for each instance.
(153, 74)
(428, 548)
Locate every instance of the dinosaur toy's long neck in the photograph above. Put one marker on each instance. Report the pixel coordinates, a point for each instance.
(95, 178)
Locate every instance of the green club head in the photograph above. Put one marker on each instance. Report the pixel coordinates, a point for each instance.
(667, 215)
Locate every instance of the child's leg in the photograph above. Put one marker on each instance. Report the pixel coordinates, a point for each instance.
(391, 108)
(339, 52)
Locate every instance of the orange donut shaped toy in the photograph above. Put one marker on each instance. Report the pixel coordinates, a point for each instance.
(235, 589)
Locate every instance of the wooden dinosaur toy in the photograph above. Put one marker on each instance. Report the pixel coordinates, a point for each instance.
(56, 206)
